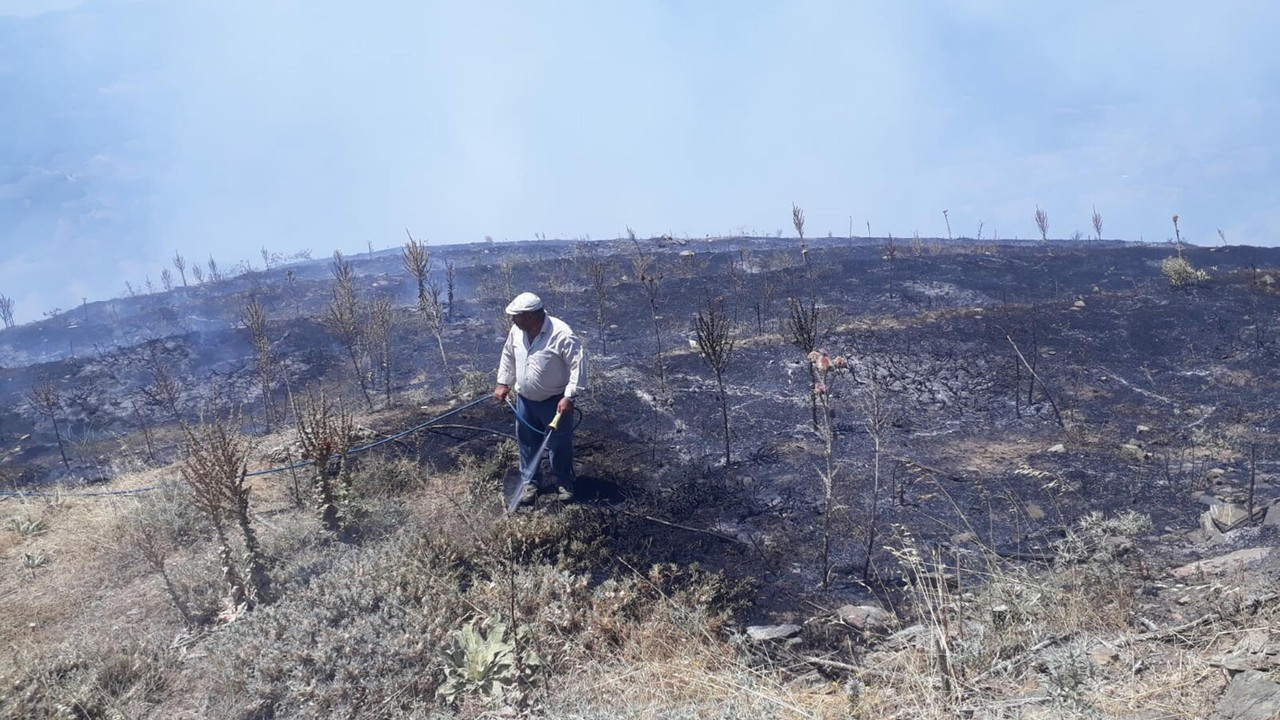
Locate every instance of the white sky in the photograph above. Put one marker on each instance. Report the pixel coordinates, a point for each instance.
(131, 129)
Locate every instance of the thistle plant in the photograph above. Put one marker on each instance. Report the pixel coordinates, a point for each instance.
(599, 285)
(416, 259)
(6, 310)
(324, 431)
(180, 264)
(825, 371)
(342, 317)
(254, 317)
(1042, 223)
(46, 399)
(797, 221)
(877, 416)
(214, 467)
(451, 284)
(803, 321)
(714, 331)
(215, 273)
(381, 321)
(643, 264)
(1178, 270)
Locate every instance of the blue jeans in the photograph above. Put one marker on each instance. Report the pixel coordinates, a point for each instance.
(539, 414)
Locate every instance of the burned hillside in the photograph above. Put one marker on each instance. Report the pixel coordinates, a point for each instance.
(895, 412)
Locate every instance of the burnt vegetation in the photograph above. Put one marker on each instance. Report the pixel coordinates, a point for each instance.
(826, 478)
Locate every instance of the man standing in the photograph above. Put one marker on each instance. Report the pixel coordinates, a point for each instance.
(543, 359)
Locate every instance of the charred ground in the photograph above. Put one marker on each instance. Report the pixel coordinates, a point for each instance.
(1018, 388)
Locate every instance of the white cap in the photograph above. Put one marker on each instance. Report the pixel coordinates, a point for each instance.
(524, 302)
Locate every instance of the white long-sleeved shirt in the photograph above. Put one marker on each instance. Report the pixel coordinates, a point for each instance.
(548, 364)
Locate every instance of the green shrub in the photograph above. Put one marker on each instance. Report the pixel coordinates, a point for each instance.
(28, 527)
(91, 677)
(1181, 273)
(349, 643)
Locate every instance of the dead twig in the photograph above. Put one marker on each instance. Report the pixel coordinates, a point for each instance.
(1043, 387)
(1007, 665)
(829, 663)
(678, 526)
(1175, 630)
(1003, 704)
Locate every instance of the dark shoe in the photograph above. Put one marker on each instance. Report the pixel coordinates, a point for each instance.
(564, 493)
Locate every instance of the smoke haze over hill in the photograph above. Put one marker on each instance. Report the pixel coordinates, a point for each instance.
(136, 128)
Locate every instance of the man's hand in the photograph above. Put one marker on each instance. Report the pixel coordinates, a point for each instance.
(565, 406)
(500, 392)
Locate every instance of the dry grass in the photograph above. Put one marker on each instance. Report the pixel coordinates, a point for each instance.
(93, 631)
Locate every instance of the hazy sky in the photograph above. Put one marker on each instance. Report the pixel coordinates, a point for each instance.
(131, 129)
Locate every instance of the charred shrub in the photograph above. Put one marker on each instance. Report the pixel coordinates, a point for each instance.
(570, 540)
(484, 474)
(713, 594)
(432, 565)
(387, 478)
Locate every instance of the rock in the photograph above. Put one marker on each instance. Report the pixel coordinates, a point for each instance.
(772, 632)
(1035, 512)
(1078, 304)
(915, 636)
(1250, 696)
(865, 617)
(1225, 516)
(1001, 615)
(1272, 516)
(1142, 429)
(1204, 498)
(1059, 448)
(1110, 548)
(964, 538)
(1133, 452)
(1222, 563)
(1257, 650)
(1208, 527)
(1214, 473)
(1104, 654)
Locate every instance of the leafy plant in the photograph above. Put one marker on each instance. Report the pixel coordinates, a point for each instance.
(487, 664)
(28, 527)
(32, 561)
(1069, 677)
(1181, 273)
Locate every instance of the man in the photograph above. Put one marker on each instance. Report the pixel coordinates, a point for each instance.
(543, 360)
